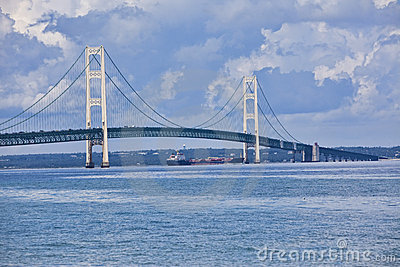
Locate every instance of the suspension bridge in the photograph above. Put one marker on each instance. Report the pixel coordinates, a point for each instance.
(93, 101)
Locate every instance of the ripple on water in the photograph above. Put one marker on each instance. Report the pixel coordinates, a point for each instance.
(200, 215)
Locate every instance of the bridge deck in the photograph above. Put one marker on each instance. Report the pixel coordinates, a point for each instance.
(43, 137)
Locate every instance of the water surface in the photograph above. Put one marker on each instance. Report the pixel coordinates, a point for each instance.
(202, 215)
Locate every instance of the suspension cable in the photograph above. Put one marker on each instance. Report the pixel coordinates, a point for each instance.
(22, 112)
(276, 117)
(265, 117)
(236, 106)
(54, 100)
(123, 77)
(116, 86)
(270, 124)
(222, 107)
(226, 115)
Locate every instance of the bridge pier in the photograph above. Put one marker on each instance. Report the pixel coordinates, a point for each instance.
(293, 159)
(311, 153)
(105, 165)
(315, 152)
(307, 154)
(245, 153)
(89, 156)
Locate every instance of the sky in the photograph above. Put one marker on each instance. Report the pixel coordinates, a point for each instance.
(331, 69)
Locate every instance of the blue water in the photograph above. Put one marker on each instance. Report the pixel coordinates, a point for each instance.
(201, 215)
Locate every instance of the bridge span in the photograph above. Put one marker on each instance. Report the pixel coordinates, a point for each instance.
(96, 136)
(80, 96)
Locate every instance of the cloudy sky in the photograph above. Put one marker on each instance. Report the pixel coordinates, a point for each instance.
(331, 69)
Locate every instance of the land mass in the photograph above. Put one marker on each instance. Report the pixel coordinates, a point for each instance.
(159, 157)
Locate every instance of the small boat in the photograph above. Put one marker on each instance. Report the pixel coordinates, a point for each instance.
(177, 159)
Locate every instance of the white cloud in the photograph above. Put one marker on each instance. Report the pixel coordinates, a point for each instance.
(33, 16)
(383, 3)
(28, 88)
(5, 26)
(330, 53)
(367, 70)
(168, 81)
(294, 47)
(343, 69)
(132, 29)
(325, 5)
(54, 39)
(219, 91)
(198, 54)
(30, 19)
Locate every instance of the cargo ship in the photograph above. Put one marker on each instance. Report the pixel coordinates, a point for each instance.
(215, 160)
(179, 159)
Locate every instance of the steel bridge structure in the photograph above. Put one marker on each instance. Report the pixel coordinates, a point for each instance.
(95, 135)
(93, 103)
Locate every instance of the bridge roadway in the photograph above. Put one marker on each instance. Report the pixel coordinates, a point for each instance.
(44, 137)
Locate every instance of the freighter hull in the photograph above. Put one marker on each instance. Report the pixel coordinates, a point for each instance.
(177, 162)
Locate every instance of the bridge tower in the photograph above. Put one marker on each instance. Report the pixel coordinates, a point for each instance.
(96, 74)
(250, 93)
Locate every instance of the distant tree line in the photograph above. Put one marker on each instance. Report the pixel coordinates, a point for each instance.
(159, 157)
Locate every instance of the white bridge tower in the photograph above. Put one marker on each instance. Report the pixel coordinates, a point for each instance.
(250, 93)
(96, 74)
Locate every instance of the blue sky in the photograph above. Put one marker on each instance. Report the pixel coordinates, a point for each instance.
(331, 68)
